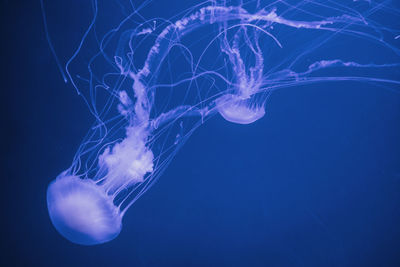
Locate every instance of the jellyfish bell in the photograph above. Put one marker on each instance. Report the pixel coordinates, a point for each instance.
(82, 211)
(239, 110)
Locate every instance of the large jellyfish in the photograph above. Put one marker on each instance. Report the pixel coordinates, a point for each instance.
(149, 83)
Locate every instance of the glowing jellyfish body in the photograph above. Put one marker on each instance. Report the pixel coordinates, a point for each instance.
(82, 212)
(234, 109)
(124, 154)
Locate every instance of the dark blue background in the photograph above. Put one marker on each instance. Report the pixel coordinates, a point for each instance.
(314, 183)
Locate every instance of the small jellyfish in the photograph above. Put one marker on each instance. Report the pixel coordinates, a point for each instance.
(237, 110)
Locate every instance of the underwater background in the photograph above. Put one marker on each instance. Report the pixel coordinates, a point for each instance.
(316, 182)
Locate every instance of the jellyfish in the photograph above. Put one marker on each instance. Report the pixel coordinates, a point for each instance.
(237, 110)
(83, 210)
(218, 57)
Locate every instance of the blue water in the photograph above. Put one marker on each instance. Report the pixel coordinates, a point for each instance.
(316, 182)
